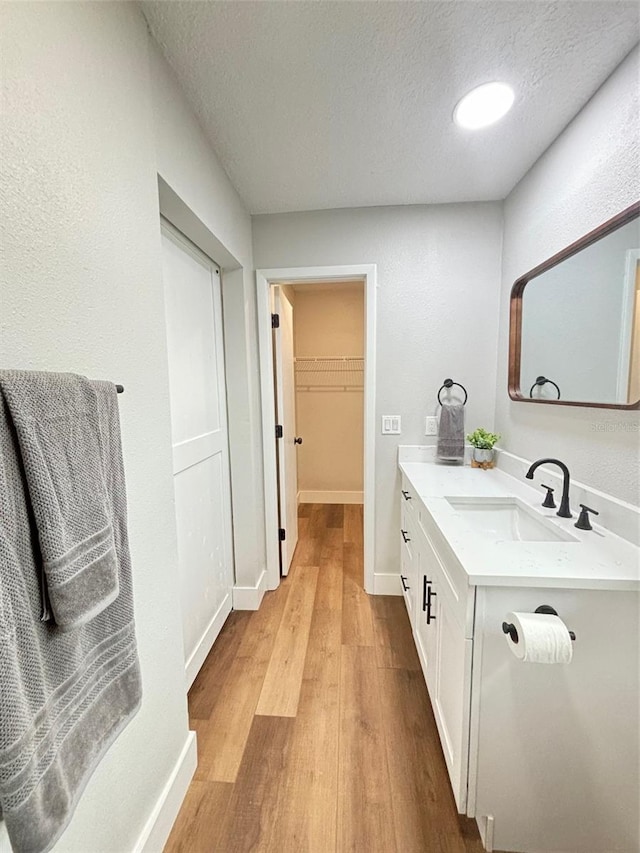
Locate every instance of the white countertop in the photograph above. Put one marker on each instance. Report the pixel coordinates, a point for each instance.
(597, 560)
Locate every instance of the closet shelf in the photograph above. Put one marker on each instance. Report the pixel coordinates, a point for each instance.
(337, 373)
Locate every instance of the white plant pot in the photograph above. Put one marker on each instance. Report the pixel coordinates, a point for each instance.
(482, 455)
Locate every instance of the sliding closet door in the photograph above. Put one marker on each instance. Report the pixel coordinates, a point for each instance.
(200, 446)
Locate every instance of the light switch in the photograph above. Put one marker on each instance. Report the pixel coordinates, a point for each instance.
(391, 425)
(431, 425)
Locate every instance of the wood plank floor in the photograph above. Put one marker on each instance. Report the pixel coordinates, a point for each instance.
(315, 732)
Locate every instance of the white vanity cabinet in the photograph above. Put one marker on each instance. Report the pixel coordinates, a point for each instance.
(425, 629)
(445, 653)
(544, 757)
(441, 613)
(554, 749)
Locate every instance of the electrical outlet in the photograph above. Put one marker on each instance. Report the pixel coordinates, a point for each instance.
(391, 425)
(431, 425)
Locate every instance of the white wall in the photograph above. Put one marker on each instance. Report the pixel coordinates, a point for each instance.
(590, 173)
(186, 162)
(82, 291)
(437, 313)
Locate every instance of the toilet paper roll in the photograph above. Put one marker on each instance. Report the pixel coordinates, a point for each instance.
(542, 638)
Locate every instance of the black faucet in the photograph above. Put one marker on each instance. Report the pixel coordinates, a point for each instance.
(565, 510)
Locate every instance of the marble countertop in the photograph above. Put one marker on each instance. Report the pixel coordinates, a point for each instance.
(596, 559)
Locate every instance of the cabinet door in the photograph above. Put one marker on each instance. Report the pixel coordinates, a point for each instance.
(448, 668)
(451, 705)
(425, 631)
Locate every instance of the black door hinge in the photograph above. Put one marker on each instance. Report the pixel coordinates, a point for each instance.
(282, 533)
(275, 321)
(279, 432)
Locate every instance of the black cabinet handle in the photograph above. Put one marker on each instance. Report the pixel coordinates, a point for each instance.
(425, 586)
(404, 536)
(430, 595)
(405, 585)
(297, 440)
(406, 495)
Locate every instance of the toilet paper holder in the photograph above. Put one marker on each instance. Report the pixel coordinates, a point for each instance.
(510, 629)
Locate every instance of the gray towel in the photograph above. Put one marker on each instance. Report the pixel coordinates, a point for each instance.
(65, 694)
(60, 435)
(451, 432)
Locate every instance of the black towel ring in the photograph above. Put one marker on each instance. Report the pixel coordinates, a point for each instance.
(542, 380)
(449, 383)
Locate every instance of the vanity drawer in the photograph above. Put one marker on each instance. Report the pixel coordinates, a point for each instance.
(407, 528)
(408, 495)
(453, 581)
(407, 579)
(408, 567)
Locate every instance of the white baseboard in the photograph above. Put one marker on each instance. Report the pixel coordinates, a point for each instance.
(387, 584)
(250, 597)
(206, 641)
(326, 497)
(156, 830)
(485, 828)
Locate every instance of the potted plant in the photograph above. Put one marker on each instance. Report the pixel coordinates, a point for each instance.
(482, 442)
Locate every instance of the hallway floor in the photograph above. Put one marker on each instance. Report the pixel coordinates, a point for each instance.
(315, 732)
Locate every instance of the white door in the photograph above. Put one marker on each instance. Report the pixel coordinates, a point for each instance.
(193, 313)
(286, 417)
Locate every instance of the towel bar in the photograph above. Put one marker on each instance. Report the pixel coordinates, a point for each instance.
(449, 383)
(542, 380)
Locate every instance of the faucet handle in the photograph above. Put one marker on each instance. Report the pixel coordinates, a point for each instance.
(583, 522)
(549, 501)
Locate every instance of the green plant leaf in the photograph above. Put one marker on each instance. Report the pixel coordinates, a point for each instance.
(482, 439)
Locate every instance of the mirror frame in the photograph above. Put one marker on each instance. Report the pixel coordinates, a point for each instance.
(515, 310)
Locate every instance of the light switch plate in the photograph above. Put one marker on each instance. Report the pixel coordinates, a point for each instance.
(431, 425)
(391, 425)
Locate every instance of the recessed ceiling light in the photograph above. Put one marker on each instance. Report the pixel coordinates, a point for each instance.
(484, 105)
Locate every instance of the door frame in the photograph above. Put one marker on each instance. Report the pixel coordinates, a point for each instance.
(265, 278)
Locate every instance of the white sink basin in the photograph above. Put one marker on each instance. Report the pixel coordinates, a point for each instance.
(508, 519)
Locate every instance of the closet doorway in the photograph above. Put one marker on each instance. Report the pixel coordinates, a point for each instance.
(193, 312)
(317, 360)
(318, 350)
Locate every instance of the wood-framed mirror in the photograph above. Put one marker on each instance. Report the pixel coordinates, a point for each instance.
(574, 337)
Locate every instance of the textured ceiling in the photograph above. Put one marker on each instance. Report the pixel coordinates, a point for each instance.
(315, 105)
